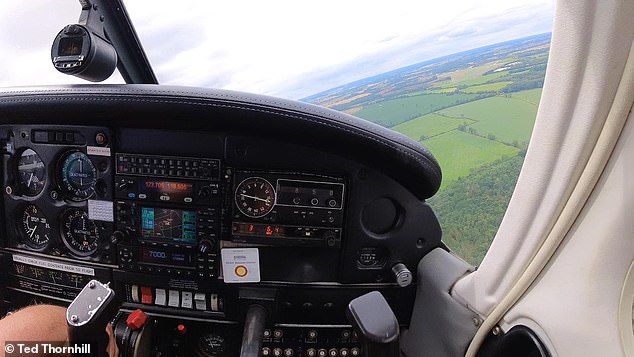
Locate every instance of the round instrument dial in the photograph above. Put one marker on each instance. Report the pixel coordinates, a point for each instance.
(34, 227)
(211, 345)
(78, 176)
(79, 233)
(31, 173)
(255, 197)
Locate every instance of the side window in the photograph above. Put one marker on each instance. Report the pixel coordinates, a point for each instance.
(475, 111)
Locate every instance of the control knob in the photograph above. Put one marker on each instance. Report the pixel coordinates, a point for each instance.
(204, 192)
(205, 246)
(330, 238)
(116, 237)
(122, 235)
(402, 275)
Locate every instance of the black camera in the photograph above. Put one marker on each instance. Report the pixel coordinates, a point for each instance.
(82, 53)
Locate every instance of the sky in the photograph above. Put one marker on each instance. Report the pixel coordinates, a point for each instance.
(285, 48)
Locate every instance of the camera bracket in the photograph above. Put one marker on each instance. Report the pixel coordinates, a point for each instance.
(91, 17)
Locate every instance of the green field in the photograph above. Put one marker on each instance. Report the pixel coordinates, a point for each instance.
(509, 119)
(441, 90)
(489, 87)
(531, 96)
(393, 112)
(459, 152)
(429, 125)
(475, 81)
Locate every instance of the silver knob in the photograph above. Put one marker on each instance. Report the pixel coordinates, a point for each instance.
(402, 275)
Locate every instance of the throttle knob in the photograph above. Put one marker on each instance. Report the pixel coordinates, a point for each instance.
(402, 275)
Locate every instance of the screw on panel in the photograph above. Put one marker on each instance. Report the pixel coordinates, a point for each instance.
(74, 318)
(476, 321)
(91, 285)
(496, 330)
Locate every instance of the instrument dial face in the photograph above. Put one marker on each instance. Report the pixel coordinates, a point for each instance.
(255, 197)
(34, 227)
(211, 345)
(79, 233)
(78, 176)
(31, 173)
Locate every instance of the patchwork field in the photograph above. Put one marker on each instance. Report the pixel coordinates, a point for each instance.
(393, 112)
(508, 119)
(458, 153)
(465, 136)
(429, 125)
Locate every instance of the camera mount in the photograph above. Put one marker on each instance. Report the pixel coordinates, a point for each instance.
(83, 49)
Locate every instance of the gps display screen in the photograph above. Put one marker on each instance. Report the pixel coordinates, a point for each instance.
(175, 225)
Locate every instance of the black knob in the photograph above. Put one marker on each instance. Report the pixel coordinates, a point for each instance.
(330, 238)
(205, 246)
(122, 186)
(116, 237)
(204, 192)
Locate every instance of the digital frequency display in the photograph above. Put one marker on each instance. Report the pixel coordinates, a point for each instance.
(176, 191)
(168, 224)
(159, 256)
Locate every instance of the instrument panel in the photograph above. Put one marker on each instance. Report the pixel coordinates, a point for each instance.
(195, 204)
(56, 180)
(181, 231)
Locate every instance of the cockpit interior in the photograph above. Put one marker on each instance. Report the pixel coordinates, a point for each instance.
(209, 222)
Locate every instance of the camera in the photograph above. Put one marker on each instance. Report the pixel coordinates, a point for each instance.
(80, 52)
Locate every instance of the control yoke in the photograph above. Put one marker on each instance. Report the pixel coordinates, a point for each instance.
(88, 315)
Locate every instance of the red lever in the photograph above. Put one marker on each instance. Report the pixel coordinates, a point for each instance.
(136, 319)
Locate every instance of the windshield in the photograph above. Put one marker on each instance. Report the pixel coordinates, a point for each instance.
(461, 77)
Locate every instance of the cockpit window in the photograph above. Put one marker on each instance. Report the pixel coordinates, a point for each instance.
(463, 78)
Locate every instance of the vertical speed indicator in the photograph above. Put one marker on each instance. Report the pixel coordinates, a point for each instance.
(255, 197)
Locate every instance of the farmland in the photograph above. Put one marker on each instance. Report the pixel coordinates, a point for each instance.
(393, 112)
(475, 112)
